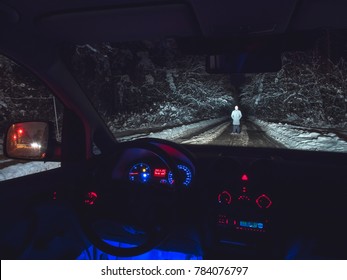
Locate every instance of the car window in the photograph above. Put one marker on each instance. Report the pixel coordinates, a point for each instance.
(153, 89)
(23, 97)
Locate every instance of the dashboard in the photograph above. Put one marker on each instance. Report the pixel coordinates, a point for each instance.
(235, 203)
(218, 203)
(225, 196)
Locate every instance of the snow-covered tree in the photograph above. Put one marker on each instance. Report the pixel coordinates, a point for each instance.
(150, 83)
(23, 96)
(303, 91)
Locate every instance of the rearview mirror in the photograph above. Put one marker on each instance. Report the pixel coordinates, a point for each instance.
(263, 61)
(27, 140)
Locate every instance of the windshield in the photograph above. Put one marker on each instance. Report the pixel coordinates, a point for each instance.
(152, 89)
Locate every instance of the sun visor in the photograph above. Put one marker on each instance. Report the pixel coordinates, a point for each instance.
(119, 23)
(224, 18)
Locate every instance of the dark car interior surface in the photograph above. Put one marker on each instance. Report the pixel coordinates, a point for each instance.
(131, 198)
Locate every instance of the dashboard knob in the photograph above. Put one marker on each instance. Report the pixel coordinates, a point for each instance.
(263, 201)
(224, 198)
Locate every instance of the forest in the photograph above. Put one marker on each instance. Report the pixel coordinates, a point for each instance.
(153, 84)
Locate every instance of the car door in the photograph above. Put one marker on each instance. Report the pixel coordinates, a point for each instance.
(38, 213)
(37, 218)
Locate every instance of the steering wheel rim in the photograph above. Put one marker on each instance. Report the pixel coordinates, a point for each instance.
(155, 234)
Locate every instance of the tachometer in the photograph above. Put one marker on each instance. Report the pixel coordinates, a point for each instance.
(186, 173)
(140, 172)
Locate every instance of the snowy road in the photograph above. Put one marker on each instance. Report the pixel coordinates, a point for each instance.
(215, 132)
(254, 133)
(251, 136)
(257, 133)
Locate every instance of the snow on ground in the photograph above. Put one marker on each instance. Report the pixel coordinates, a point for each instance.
(207, 136)
(294, 137)
(22, 169)
(176, 132)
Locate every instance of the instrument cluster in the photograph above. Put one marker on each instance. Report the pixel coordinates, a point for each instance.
(144, 173)
(164, 165)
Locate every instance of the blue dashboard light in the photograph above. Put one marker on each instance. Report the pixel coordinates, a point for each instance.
(248, 224)
(188, 174)
(145, 177)
(93, 253)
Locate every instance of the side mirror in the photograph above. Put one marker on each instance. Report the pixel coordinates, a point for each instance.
(30, 141)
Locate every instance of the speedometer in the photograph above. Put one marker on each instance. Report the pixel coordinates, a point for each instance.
(140, 172)
(186, 173)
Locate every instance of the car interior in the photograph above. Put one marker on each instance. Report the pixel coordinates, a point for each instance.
(152, 198)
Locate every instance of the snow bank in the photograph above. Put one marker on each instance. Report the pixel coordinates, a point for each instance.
(22, 169)
(176, 132)
(294, 137)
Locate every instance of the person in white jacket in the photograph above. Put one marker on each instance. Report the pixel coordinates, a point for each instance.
(236, 115)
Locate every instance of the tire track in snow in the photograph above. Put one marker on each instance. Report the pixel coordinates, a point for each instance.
(207, 136)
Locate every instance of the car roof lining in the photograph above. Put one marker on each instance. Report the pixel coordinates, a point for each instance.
(171, 18)
(121, 20)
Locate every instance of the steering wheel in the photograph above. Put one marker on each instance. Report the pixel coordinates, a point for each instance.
(142, 204)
